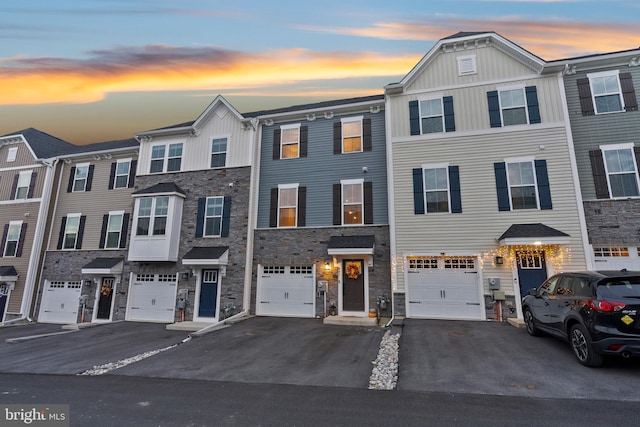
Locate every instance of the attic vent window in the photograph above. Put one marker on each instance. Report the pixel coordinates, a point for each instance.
(466, 65)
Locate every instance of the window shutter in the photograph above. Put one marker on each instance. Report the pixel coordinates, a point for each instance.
(226, 216)
(14, 188)
(636, 152)
(72, 174)
(494, 109)
(337, 204)
(276, 144)
(32, 184)
(544, 191)
(584, 93)
(532, 104)
(132, 173)
(273, 208)
(123, 231)
(368, 202)
(83, 220)
(4, 239)
(414, 118)
(304, 137)
(418, 192)
(449, 119)
(454, 189)
(202, 201)
(63, 225)
(23, 232)
(628, 92)
(89, 178)
(302, 206)
(112, 176)
(103, 231)
(502, 187)
(337, 138)
(599, 174)
(367, 143)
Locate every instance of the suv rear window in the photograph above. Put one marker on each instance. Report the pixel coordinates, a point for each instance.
(621, 287)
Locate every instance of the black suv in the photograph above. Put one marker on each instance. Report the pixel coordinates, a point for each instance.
(598, 312)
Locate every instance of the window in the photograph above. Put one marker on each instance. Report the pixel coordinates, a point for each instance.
(605, 89)
(160, 215)
(436, 186)
(522, 185)
(287, 205)
(606, 251)
(13, 237)
(123, 169)
(436, 189)
(71, 231)
(352, 135)
(114, 229)
(152, 216)
(80, 177)
(431, 116)
(513, 107)
(213, 216)
(289, 141)
(621, 171)
(219, 152)
(144, 216)
(12, 154)
(157, 159)
(352, 202)
(174, 159)
(24, 180)
(173, 154)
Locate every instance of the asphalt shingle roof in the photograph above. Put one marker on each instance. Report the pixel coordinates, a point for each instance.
(163, 187)
(199, 252)
(351, 242)
(44, 145)
(100, 263)
(531, 230)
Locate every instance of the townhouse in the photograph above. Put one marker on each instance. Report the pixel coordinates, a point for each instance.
(321, 243)
(28, 168)
(483, 190)
(82, 273)
(605, 122)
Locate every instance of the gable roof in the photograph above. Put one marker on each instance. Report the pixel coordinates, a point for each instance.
(119, 144)
(42, 145)
(161, 188)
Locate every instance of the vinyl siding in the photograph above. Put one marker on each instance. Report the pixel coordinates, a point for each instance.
(7, 178)
(23, 156)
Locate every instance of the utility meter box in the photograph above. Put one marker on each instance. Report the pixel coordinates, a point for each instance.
(494, 283)
(322, 286)
(498, 296)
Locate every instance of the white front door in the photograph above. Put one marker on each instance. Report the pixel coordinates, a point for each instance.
(286, 291)
(60, 302)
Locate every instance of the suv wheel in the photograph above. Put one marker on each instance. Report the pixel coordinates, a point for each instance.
(532, 329)
(583, 348)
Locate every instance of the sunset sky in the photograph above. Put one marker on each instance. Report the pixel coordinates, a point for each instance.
(97, 70)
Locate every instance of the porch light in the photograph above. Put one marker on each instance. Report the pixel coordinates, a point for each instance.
(327, 266)
(499, 260)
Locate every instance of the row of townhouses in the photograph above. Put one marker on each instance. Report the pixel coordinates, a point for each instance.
(482, 172)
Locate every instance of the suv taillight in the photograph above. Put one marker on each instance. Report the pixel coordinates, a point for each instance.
(605, 306)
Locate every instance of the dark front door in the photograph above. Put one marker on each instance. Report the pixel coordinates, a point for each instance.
(4, 291)
(105, 298)
(532, 270)
(353, 285)
(208, 293)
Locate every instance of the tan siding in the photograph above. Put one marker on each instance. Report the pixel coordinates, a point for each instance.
(23, 156)
(7, 177)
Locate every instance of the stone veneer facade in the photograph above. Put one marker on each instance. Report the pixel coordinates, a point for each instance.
(613, 221)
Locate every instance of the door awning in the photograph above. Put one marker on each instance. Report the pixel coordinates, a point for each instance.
(533, 234)
(103, 266)
(351, 245)
(8, 273)
(215, 255)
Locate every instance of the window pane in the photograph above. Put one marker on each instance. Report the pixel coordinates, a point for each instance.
(144, 208)
(435, 179)
(352, 193)
(218, 160)
(289, 136)
(288, 197)
(214, 206)
(624, 185)
(514, 116)
(142, 228)
(113, 240)
(619, 160)
(432, 125)
(523, 197)
(289, 151)
(174, 164)
(115, 223)
(122, 181)
(162, 205)
(353, 214)
(122, 168)
(156, 166)
(607, 104)
(159, 225)
(14, 232)
(175, 150)
(10, 248)
(351, 144)
(352, 128)
(432, 107)
(212, 226)
(157, 152)
(437, 201)
(521, 173)
(22, 192)
(81, 172)
(512, 98)
(72, 224)
(287, 217)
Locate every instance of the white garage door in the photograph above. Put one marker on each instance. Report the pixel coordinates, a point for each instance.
(60, 302)
(616, 258)
(286, 291)
(152, 298)
(443, 288)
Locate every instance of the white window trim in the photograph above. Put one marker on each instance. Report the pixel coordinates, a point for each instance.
(226, 151)
(424, 192)
(204, 225)
(351, 120)
(528, 159)
(508, 88)
(295, 216)
(601, 74)
(12, 154)
(84, 188)
(115, 177)
(432, 97)
(26, 194)
(11, 224)
(287, 127)
(344, 182)
(614, 147)
(166, 158)
(66, 225)
(106, 235)
(468, 59)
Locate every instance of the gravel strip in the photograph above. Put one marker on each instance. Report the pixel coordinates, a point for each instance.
(384, 375)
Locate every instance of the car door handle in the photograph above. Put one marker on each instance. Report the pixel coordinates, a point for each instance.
(566, 304)
(546, 303)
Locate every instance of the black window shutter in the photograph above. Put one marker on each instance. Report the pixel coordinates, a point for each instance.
(337, 204)
(112, 176)
(502, 187)
(4, 239)
(449, 118)
(636, 151)
(276, 144)
(14, 188)
(103, 230)
(544, 191)
(226, 216)
(302, 206)
(202, 201)
(273, 208)
(83, 220)
(367, 143)
(599, 174)
(494, 109)
(123, 231)
(72, 175)
(304, 138)
(63, 226)
(628, 92)
(89, 178)
(414, 118)
(584, 93)
(337, 138)
(23, 232)
(531, 93)
(454, 189)
(368, 202)
(132, 173)
(32, 184)
(418, 192)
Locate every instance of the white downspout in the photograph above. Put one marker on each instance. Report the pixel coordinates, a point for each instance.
(252, 221)
(390, 207)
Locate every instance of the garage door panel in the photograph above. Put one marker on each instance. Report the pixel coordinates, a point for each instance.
(287, 291)
(60, 302)
(152, 298)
